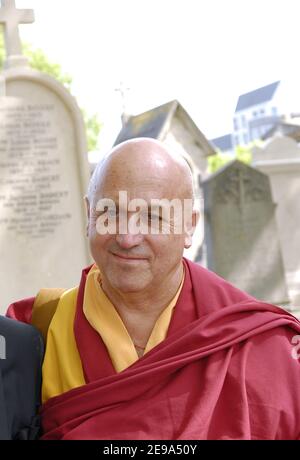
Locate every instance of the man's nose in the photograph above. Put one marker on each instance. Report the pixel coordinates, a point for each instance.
(129, 240)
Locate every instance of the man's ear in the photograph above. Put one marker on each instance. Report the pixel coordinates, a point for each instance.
(190, 228)
(87, 207)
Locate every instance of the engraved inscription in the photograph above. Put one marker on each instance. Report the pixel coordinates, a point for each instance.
(240, 188)
(31, 196)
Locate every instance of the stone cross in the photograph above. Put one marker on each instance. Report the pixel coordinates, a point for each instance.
(123, 90)
(242, 242)
(241, 180)
(11, 17)
(236, 187)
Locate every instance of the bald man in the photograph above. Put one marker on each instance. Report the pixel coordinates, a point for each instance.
(151, 345)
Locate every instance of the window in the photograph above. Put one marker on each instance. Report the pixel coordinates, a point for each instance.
(236, 140)
(245, 137)
(235, 124)
(254, 113)
(274, 110)
(262, 111)
(244, 121)
(254, 133)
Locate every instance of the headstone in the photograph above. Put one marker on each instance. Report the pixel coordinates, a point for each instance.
(280, 160)
(11, 17)
(240, 232)
(43, 177)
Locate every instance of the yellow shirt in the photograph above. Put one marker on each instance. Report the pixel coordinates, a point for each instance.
(104, 318)
(62, 368)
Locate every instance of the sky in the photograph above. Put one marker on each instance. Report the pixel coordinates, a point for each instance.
(204, 53)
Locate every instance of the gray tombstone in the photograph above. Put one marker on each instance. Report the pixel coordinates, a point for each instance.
(279, 158)
(241, 234)
(43, 176)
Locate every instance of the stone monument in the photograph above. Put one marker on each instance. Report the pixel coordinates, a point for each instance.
(240, 232)
(43, 175)
(280, 160)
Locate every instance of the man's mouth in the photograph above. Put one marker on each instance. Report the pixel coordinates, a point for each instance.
(127, 258)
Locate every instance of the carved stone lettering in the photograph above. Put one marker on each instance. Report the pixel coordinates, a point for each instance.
(30, 171)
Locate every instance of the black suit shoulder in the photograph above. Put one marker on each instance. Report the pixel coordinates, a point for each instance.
(21, 356)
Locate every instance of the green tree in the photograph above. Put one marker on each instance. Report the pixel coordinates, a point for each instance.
(93, 128)
(39, 61)
(242, 153)
(2, 52)
(218, 160)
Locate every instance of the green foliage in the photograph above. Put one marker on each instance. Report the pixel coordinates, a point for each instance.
(242, 153)
(2, 52)
(218, 160)
(39, 61)
(93, 128)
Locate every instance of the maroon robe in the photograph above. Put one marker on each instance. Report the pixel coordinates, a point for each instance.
(225, 371)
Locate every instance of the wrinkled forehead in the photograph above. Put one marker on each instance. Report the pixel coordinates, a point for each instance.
(136, 184)
(145, 191)
(147, 175)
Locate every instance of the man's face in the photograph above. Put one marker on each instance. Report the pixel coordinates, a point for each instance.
(134, 262)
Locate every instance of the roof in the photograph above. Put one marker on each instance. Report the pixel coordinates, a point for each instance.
(284, 129)
(258, 96)
(154, 123)
(147, 124)
(223, 143)
(217, 176)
